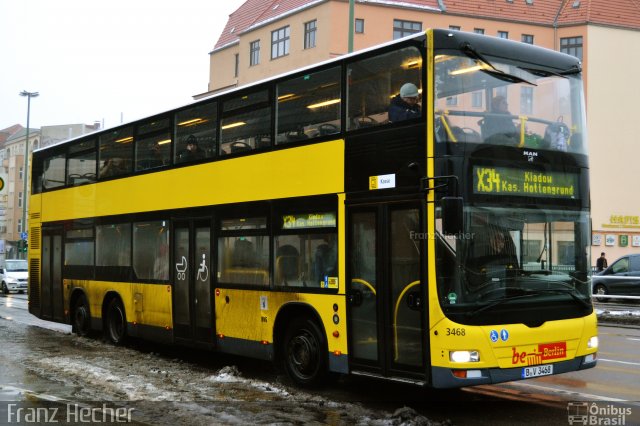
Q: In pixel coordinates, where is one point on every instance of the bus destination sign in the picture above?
(522, 182)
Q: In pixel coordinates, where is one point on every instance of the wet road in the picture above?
(41, 361)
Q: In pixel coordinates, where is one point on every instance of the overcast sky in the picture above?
(95, 60)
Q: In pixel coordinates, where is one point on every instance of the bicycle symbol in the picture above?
(181, 268)
(204, 270)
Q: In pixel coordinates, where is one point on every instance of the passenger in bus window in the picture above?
(498, 124)
(406, 104)
(152, 157)
(192, 151)
(326, 260)
(113, 167)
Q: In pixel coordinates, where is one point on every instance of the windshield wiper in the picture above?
(499, 302)
(528, 293)
(570, 291)
(468, 50)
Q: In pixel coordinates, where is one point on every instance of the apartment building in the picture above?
(264, 38)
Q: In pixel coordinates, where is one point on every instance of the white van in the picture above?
(13, 276)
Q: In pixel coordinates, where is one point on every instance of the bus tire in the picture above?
(116, 325)
(305, 353)
(81, 317)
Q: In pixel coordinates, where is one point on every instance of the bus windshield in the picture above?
(480, 100)
(533, 255)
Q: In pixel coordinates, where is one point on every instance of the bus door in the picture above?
(386, 295)
(51, 296)
(192, 296)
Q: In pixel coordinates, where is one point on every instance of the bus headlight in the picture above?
(593, 343)
(464, 356)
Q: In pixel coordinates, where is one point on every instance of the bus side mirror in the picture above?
(452, 216)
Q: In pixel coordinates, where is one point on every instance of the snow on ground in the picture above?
(171, 391)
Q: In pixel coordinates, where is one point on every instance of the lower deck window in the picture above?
(151, 250)
(306, 260)
(244, 260)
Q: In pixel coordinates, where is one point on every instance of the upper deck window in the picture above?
(246, 124)
(53, 175)
(81, 163)
(153, 146)
(195, 133)
(308, 106)
(116, 152)
(525, 107)
(375, 82)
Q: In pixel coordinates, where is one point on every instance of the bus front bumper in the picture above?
(444, 377)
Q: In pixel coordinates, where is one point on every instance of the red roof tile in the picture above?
(622, 13)
(618, 13)
(541, 12)
(255, 12)
(9, 131)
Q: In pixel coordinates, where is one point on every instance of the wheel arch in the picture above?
(284, 317)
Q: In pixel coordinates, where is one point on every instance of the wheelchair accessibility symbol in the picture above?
(181, 268)
(203, 271)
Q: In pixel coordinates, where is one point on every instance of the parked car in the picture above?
(13, 276)
(621, 278)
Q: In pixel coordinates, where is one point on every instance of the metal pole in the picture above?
(351, 23)
(25, 172)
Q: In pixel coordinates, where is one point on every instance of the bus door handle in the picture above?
(414, 301)
(355, 297)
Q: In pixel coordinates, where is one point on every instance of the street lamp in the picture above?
(25, 173)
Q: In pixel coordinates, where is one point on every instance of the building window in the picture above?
(359, 26)
(526, 100)
(476, 99)
(452, 100)
(280, 42)
(572, 46)
(236, 69)
(404, 28)
(478, 30)
(503, 34)
(310, 34)
(254, 53)
(19, 199)
(454, 27)
(19, 225)
(20, 172)
(527, 38)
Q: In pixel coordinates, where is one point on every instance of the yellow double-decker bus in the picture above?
(418, 211)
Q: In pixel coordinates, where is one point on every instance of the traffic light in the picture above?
(22, 246)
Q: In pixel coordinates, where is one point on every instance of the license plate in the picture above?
(537, 371)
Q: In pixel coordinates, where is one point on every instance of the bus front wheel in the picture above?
(305, 353)
(116, 322)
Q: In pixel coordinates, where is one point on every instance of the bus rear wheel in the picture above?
(116, 322)
(305, 353)
(81, 318)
